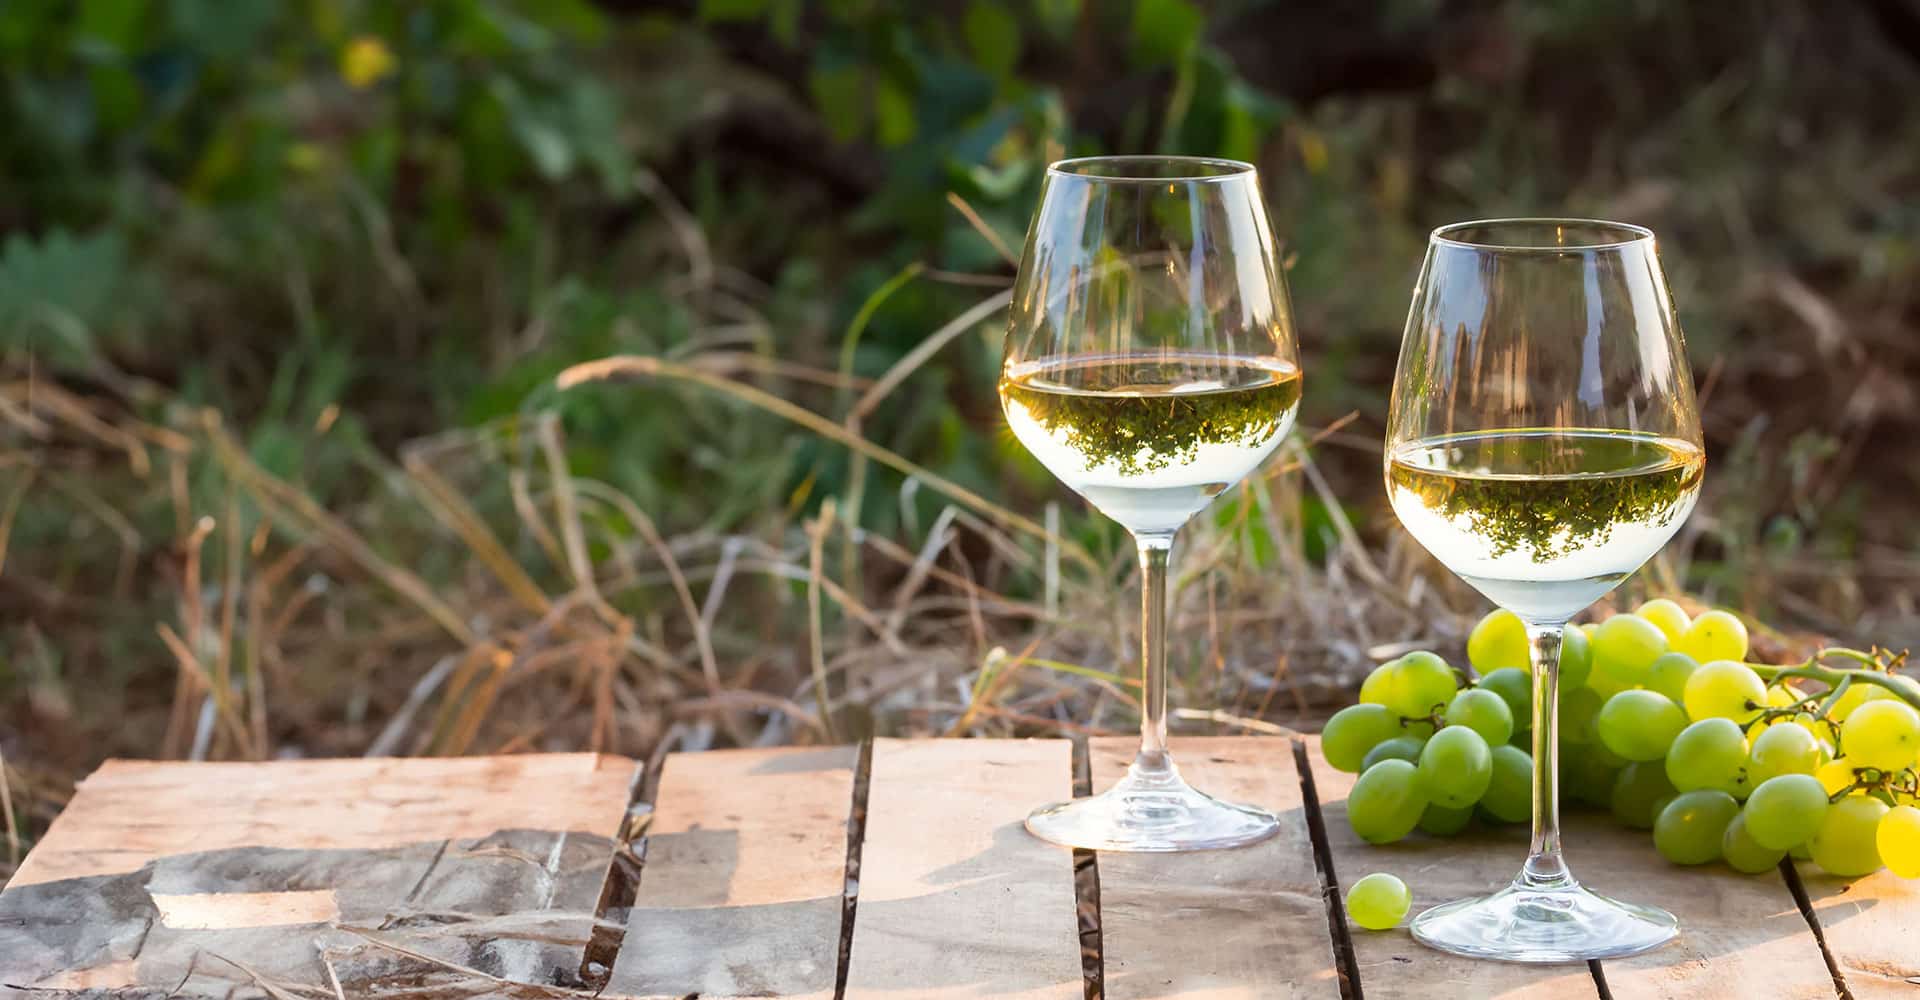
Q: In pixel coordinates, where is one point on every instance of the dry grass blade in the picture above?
(816, 637)
(703, 640)
(986, 232)
(6, 811)
(115, 521)
(926, 349)
(639, 365)
(297, 512)
(274, 988)
(736, 700)
(189, 665)
(572, 538)
(443, 500)
(12, 508)
(508, 985)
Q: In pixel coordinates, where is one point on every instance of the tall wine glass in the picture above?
(1150, 365)
(1543, 443)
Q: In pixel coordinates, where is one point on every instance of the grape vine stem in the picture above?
(1876, 667)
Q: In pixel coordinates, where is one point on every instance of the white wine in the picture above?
(1151, 439)
(1544, 520)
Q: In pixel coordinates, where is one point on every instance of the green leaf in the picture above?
(840, 93)
(1058, 17)
(993, 36)
(1164, 31)
(893, 110)
(115, 23)
(731, 10)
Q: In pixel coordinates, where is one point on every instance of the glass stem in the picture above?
(1545, 869)
(1153, 760)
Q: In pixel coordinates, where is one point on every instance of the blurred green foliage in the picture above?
(351, 225)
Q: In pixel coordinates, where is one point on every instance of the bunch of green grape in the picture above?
(1663, 724)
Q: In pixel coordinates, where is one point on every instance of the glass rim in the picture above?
(1630, 235)
(1226, 169)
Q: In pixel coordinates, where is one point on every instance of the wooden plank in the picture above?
(129, 811)
(1740, 935)
(1391, 963)
(1221, 925)
(489, 863)
(745, 871)
(1869, 926)
(956, 898)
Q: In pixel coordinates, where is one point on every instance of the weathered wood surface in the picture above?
(956, 899)
(1872, 929)
(1242, 923)
(1391, 963)
(260, 880)
(745, 871)
(204, 877)
(1740, 935)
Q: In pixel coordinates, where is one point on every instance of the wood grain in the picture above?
(746, 867)
(1870, 926)
(129, 812)
(1740, 935)
(486, 863)
(1391, 963)
(956, 898)
(1220, 925)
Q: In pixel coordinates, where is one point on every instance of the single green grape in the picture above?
(1455, 767)
(1689, 830)
(1709, 754)
(1743, 853)
(1498, 642)
(1484, 712)
(1847, 842)
(1606, 685)
(1882, 734)
(1668, 675)
(1380, 680)
(1724, 689)
(1576, 658)
(1579, 715)
(1786, 811)
(1379, 902)
(1405, 748)
(1386, 802)
(1509, 795)
(1835, 775)
(1670, 618)
(1353, 731)
(1625, 646)
(1441, 821)
(1779, 750)
(1514, 685)
(1639, 725)
(1898, 840)
(1422, 685)
(1715, 635)
(1639, 792)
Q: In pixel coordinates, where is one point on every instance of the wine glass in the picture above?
(1543, 443)
(1150, 365)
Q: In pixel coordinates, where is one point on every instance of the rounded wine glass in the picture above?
(1150, 365)
(1543, 443)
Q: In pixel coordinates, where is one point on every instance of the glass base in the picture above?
(1152, 809)
(1529, 923)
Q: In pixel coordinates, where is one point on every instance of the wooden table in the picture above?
(897, 869)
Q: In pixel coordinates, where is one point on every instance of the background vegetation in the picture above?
(284, 287)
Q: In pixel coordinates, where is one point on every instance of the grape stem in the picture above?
(1871, 779)
(1876, 667)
